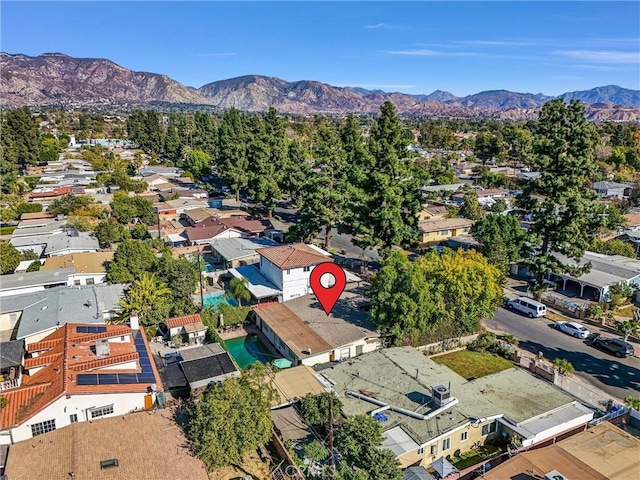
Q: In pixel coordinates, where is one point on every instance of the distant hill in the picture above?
(57, 79)
(610, 94)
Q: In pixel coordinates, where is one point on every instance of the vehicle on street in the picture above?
(572, 328)
(615, 346)
(528, 306)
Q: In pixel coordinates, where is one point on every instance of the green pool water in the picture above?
(247, 350)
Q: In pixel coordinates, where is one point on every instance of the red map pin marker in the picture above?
(328, 296)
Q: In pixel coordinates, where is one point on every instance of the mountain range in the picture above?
(57, 79)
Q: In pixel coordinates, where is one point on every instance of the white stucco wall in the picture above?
(271, 272)
(61, 410)
(97, 278)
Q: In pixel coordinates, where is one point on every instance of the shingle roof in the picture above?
(299, 337)
(292, 256)
(235, 248)
(184, 320)
(444, 224)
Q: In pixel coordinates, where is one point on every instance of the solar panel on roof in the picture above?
(87, 329)
(87, 379)
(107, 379)
(127, 378)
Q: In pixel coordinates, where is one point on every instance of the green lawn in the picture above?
(475, 456)
(471, 365)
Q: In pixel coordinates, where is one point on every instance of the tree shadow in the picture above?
(609, 372)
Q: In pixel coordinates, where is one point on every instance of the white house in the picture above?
(80, 373)
(189, 327)
(289, 267)
(90, 267)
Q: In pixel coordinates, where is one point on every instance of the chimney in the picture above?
(133, 320)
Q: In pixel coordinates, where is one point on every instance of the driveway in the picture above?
(618, 377)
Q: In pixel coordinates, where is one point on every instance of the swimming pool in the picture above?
(216, 298)
(248, 350)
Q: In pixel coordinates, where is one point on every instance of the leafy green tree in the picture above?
(487, 146)
(561, 200)
(613, 247)
(315, 451)
(29, 255)
(180, 274)
(126, 209)
(149, 298)
(198, 163)
(139, 231)
(131, 260)
(499, 206)
(457, 288)
(501, 239)
(232, 419)
(109, 231)
(69, 203)
(9, 258)
(20, 137)
(239, 290)
(629, 327)
(314, 409)
(519, 142)
(34, 266)
(359, 439)
(470, 207)
(633, 402)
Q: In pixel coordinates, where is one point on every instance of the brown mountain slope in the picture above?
(55, 78)
(58, 78)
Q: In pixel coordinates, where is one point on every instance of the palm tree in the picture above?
(144, 295)
(239, 290)
(563, 366)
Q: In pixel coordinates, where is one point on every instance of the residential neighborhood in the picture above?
(171, 295)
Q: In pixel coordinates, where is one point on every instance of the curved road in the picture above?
(618, 377)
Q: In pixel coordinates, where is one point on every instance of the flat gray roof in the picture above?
(257, 284)
(235, 248)
(605, 269)
(201, 351)
(451, 187)
(54, 307)
(57, 242)
(348, 321)
(11, 353)
(403, 377)
(34, 279)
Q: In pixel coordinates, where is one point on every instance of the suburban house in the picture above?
(236, 252)
(432, 412)
(304, 334)
(188, 327)
(80, 373)
(584, 455)
(613, 189)
(52, 244)
(448, 188)
(432, 212)
(33, 316)
(606, 270)
(289, 267)
(161, 171)
(39, 226)
(441, 229)
(196, 368)
(117, 447)
(197, 215)
(207, 231)
(90, 267)
(283, 271)
(179, 206)
(29, 282)
(486, 196)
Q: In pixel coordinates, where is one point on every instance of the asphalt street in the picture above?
(619, 377)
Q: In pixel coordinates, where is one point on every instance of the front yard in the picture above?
(472, 365)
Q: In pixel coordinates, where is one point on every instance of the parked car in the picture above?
(572, 328)
(528, 306)
(615, 346)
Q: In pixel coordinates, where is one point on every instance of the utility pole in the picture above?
(332, 460)
(200, 279)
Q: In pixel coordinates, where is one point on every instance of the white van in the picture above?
(528, 306)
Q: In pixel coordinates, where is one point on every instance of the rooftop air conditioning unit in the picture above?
(554, 475)
(441, 395)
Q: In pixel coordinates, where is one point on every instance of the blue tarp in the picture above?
(381, 417)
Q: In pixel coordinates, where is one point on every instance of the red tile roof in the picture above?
(65, 354)
(293, 256)
(182, 321)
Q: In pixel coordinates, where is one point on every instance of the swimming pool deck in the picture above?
(249, 330)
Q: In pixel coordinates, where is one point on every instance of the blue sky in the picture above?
(412, 47)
